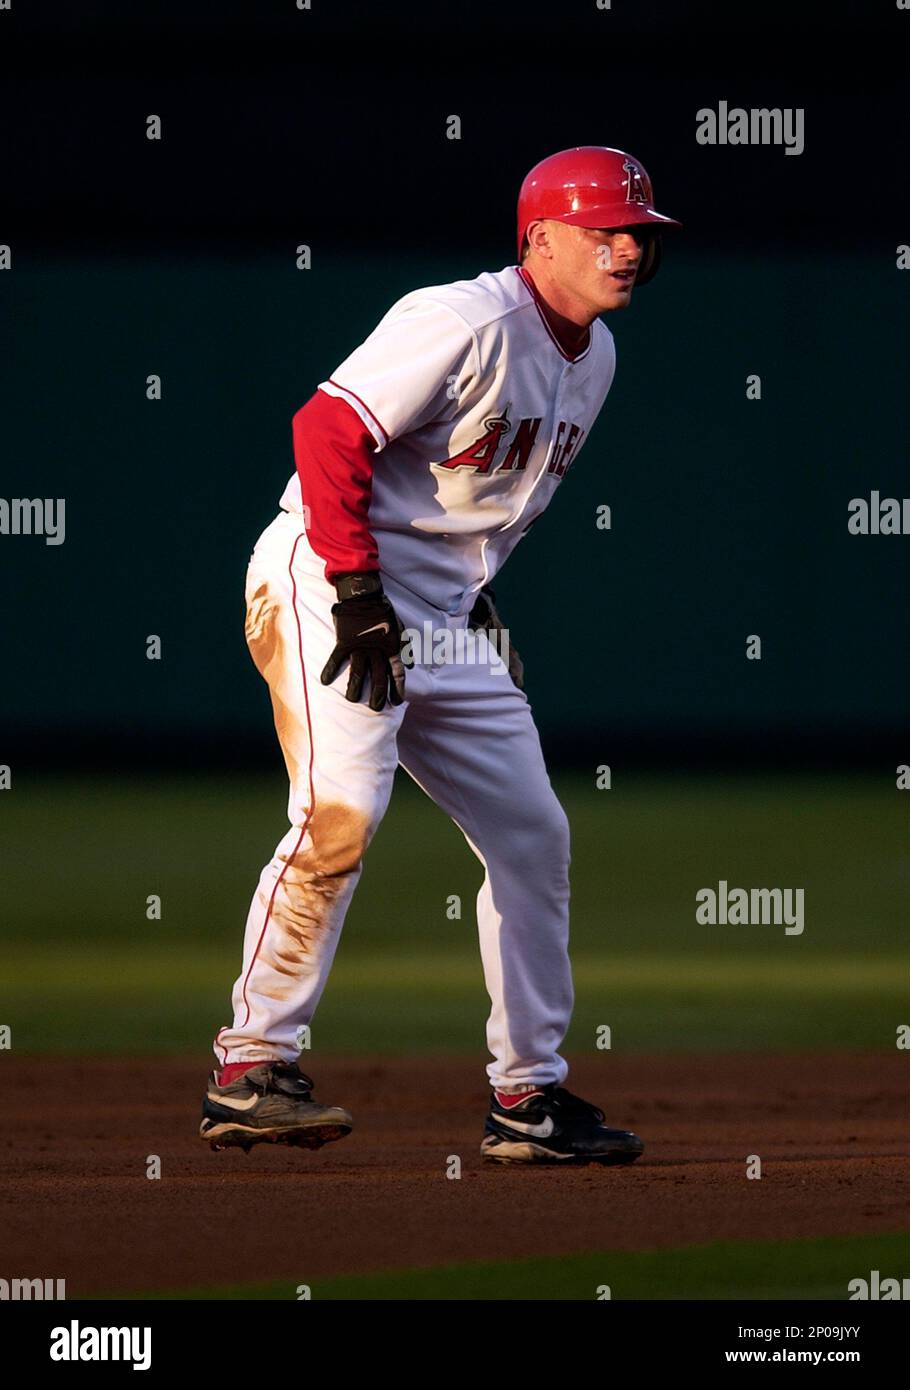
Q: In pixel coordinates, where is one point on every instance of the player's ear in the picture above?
(539, 238)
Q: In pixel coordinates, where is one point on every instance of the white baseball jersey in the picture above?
(477, 413)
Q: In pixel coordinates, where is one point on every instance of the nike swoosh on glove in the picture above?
(368, 634)
(484, 618)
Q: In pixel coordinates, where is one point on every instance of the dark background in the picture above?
(328, 127)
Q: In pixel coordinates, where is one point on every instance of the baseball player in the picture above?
(420, 464)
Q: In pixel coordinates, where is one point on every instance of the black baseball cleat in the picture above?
(269, 1104)
(550, 1125)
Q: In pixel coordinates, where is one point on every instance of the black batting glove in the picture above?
(368, 634)
(484, 618)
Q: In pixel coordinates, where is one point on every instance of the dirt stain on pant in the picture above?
(261, 626)
(311, 882)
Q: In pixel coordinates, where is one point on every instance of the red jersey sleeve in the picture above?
(334, 453)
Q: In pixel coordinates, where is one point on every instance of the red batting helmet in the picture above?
(593, 186)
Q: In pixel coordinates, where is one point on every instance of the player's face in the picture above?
(598, 264)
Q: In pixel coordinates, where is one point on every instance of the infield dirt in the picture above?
(832, 1132)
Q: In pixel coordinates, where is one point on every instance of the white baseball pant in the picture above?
(466, 736)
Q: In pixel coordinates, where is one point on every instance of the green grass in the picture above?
(83, 969)
(792, 1269)
(145, 1000)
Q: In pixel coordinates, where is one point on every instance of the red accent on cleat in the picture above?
(507, 1098)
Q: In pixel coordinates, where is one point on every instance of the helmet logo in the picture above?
(637, 192)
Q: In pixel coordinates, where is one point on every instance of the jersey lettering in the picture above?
(481, 453)
(522, 444)
(562, 454)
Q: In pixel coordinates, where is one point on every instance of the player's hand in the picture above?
(484, 617)
(368, 634)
